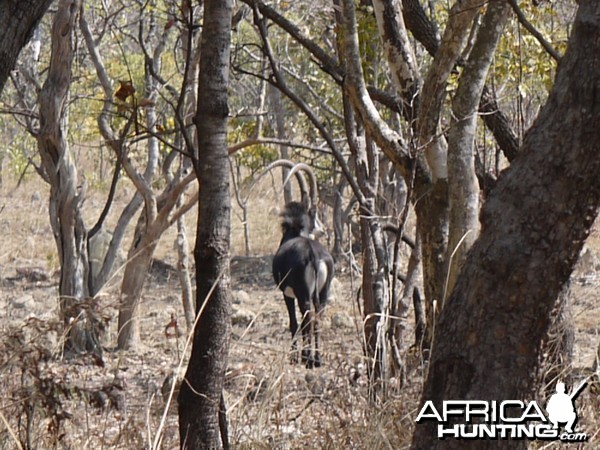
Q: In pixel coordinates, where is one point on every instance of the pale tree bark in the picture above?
(488, 339)
(433, 93)
(183, 269)
(424, 30)
(66, 196)
(391, 143)
(18, 20)
(399, 53)
(431, 189)
(414, 273)
(431, 204)
(200, 397)
(463, 186)
(432, 208)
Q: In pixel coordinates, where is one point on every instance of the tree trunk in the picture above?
(183, 271)
(463, 187)
(399, 53)
(338, 220)
(18, 20)
(66, 197)
(431, 186)
(200, 402)
(136, 269)
(559, 343)
(159, 214)
(148, 229)
(191, 50)
(488, 338)
(432, 226)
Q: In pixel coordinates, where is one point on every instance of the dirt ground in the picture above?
(48, 402)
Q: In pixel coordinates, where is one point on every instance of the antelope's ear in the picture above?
(318, 230)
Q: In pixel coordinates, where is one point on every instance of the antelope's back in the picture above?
(302, 262)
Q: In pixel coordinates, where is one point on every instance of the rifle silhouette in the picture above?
(573, 395)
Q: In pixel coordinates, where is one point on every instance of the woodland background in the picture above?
(413, 115)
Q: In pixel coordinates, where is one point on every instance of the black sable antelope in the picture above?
(302, 267)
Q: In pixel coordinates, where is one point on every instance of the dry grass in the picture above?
(272, 403)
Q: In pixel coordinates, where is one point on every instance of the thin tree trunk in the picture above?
(463, 186)
(200, 397)
(191, 49)
(431, 186)
(488, 339)
(183, 269)
(159, 214)
(66, 197)
(338, 220)
(432, 226)
(147, 232)
(136, 269)
(411, 292)
(433, 93)
(374, 283)
(146, 238)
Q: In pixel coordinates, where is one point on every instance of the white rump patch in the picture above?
(321, 275)
(315, 282)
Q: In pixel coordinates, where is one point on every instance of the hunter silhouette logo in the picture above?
(561, 408)
(507, 419)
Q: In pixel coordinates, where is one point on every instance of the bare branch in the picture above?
(387, 139)
(534, 32)
(280, 83)
(268, 140)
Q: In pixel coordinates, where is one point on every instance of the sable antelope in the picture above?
(302, 267)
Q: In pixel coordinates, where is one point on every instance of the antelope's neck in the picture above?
(291, 234)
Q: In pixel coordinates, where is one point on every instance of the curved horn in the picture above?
(299, 176)
(310, 204)
(283, 163)
(313, 181)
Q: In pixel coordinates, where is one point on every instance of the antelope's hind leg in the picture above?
(307, 332)
(290, 303)
(317, 333)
